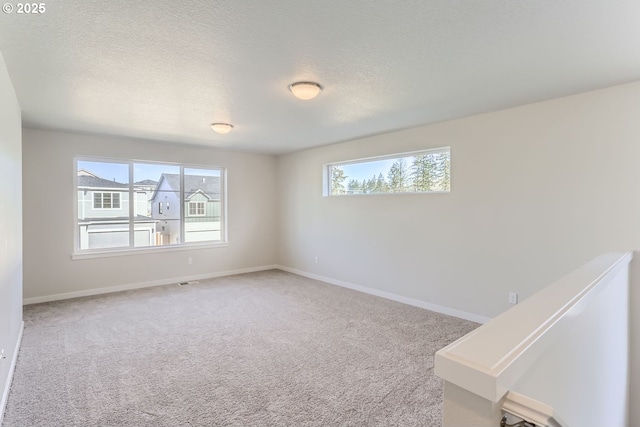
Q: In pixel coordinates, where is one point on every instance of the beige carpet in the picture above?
(259, 349)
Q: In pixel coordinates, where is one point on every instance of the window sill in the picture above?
(145, 250)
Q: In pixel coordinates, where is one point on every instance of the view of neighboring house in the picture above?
(202, 206)
(144, 192)
(103, 212)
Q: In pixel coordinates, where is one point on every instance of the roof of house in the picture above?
(209, 185)
(93, 181)
(149, 182)
(84, 172)
(136, 218)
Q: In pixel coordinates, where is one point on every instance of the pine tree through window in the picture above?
(426, 171)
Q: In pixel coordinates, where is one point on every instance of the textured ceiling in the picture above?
(165, 70)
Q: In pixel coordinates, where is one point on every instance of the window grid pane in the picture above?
(203, 190)
(115, 212)
(97, 200)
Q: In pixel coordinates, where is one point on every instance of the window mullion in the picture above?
(182, 213)
(131, 208)
(103, 186)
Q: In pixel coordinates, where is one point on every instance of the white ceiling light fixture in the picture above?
(221, 128)
(305, 90)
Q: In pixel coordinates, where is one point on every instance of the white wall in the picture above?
(536, 192)
(49, 215)
(10, 229)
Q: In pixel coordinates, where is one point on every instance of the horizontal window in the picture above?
(132, 204)
(426, 171)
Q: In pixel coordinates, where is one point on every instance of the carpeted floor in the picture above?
(259, 349)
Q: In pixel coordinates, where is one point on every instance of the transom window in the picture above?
(427, 171)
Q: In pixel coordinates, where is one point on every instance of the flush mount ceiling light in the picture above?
(221, 127)
(305, 90)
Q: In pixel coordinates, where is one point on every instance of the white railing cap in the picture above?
(490, 359)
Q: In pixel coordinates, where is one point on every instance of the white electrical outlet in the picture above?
(513, 297)
(316, 260)
(190, 260)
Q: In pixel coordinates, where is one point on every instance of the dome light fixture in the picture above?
(221, 128)
(305, 90)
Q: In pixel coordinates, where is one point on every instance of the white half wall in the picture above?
(48, 164)
(562, 354)
(10, 232)
(634, 343)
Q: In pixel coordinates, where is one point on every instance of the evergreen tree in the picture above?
(445, 182)
(431, 172)
(337, 180)
(354, 187)
(399, 176)
(370, 186)
(424, 171)
(381, 184)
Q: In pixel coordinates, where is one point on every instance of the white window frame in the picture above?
(327, 172)
(78, 253)
(102, 193)
(197, 204)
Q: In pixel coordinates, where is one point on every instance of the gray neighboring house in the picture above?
(103, 213)
(144, 191)
(202, 205)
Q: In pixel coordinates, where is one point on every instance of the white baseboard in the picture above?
(383, 294)
(140, 285)
(12, 367)
(394, 297)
